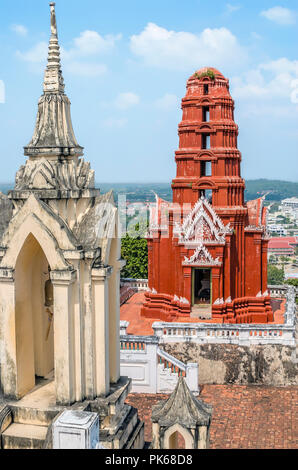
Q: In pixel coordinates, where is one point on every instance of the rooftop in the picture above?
(282, 242)
(244, 417)
(130, 311)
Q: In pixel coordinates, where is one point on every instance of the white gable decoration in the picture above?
(201, 257)
(202, 225)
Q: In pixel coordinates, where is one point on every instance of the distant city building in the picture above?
(291, 275)
(282, 246)
(278, 228)
(290, 203)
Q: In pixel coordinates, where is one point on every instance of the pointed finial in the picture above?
(53, 134)
(53, 19)
(53, 81)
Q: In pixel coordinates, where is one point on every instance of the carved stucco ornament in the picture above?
(46, 174)
(201, 226)
(201, 257)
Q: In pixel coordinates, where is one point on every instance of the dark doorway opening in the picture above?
(201, 287)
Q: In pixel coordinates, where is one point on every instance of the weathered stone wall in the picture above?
(274, 365)
(6, 209)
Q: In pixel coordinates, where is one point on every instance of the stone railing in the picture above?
(242, 334)
(279, 291)
(170, 368)
(126, 293)
(137, 284)
(151, 369)
(171, 362)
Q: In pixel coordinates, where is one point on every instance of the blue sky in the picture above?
(125, 65)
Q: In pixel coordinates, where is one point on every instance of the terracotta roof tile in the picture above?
(244, 417)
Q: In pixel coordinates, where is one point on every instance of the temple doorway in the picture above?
(34, 318)
(201, 292)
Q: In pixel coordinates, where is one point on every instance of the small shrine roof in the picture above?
(182, 407)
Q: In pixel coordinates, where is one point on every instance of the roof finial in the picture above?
(53, 134)
(53, 19)
(53, 81)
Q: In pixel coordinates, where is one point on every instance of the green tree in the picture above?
(276, 276)
(135, 252)
(292, 282)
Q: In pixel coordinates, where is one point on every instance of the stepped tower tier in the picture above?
(208, 249)
(208, 161)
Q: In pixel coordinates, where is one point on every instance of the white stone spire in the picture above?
(53, 134)
(53, 79)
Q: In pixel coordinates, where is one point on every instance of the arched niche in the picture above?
(204, 183)
(33, 226)
(34, 329)
(171, 437)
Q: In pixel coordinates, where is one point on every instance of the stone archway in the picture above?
(174, 435)
(33, 318)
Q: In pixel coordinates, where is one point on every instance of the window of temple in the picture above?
(206, 168)
(207, 193)
(206, 89)
(205, 141)
(206, 114)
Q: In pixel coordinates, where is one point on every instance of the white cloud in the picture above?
(2, 92)
(167, 102)
(182, 50)
(280, 15)
(88, 44)
(36, 54)
(126, 100)
(269, 80)
(19, 29)
(115, 122)
(267, 88)
(91, 43)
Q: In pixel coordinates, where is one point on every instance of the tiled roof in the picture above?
(244, 417)
(282, 242)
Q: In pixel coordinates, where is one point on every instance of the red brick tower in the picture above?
(208, 249)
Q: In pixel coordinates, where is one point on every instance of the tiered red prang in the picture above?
(210, 260)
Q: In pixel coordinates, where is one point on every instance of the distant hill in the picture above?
(140, 192)
(278, 189)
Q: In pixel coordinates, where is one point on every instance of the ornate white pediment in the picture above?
(202, 225)
(201, 257)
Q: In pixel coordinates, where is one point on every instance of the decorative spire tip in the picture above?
(53, 19)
